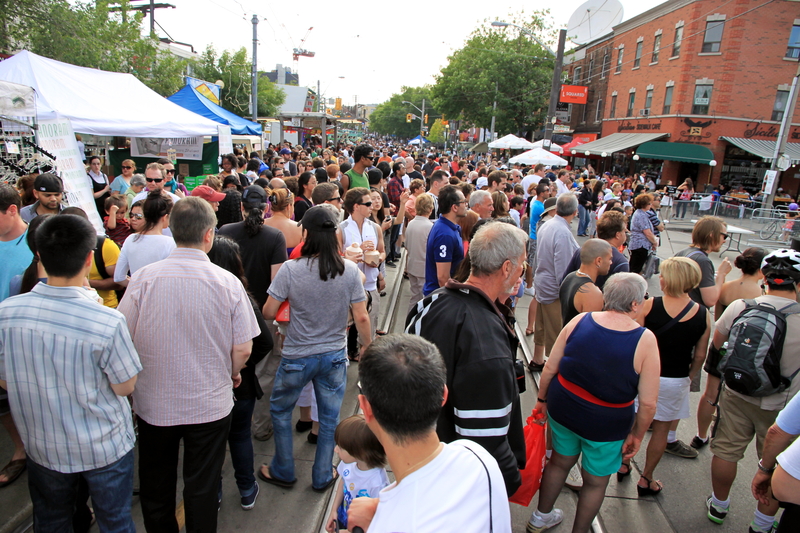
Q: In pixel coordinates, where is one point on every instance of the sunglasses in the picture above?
(724, 236)
(137, 216)
(127, 168)
(170, 170)
(367, 204)
(336, 199)
(157, 180)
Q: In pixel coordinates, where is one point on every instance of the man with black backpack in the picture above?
(760, 340)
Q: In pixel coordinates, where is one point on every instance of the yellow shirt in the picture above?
(110, 257)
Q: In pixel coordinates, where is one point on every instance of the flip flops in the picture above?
(275, 481)
(328, 484)
(13, 470)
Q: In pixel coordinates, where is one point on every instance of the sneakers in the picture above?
(574, 479)
(537, 525)
(680, 449)
(530, 291)
(250, 501)
(756, 529)
(716, 514)
(698, 443)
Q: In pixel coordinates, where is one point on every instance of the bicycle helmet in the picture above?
(793, 206)
(781, 267)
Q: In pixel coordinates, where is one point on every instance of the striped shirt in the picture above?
(60, 351)
(185, 314)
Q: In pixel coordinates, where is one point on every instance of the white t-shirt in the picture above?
(357, 483)
(451, 493)
(527, 181)
(141, 250)
(561, 187)
(143, 196)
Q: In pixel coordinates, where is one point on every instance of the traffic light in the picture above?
(426, 118)
(408, 117)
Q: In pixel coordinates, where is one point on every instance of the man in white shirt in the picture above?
(403, 418)
(563, 183)
(156, 176)
(527, 181)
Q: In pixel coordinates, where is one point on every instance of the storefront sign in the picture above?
(156, 147)
(56, 136)
(639, 126)
(574, 94)
(769, 181)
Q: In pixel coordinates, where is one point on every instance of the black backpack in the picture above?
(752, 363)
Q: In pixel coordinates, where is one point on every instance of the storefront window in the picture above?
(793, 50)
(613, 111)
(638, 57)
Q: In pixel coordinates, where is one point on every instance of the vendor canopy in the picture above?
(511, 142)
(190, 99)
(101, 103)
(539, 155)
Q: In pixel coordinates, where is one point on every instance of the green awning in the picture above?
(684, 152)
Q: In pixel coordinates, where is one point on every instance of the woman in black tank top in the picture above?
(682, 328)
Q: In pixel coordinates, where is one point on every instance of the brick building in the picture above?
(689, 82)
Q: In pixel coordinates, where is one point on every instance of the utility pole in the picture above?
(152, 18)
(494, 109)
(254, 81)
(555, 90)
(422, 120)
(783, 134)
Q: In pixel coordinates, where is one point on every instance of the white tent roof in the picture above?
(99, 102)
(538, 155)
(553, 146)
(511, 142)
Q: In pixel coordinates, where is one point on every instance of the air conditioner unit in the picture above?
(644, 112)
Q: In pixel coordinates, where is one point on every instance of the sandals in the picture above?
(528, 332)
(275, 481)
(328, 484)
(13, 470)
(622, 475)
(647, 491)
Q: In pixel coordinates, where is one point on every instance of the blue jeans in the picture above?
(54, 496)
(328, 371)
(680, 208)
(241, 445)
(583, 219)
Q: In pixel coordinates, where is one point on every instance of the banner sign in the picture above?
(225, 140)
(56, 136)
(156, 147)
(574, 94)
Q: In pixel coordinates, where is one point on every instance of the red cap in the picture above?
(207, 193)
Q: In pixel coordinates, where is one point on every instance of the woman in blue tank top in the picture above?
(599, 364)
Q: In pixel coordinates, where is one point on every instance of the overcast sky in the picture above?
(377, 51)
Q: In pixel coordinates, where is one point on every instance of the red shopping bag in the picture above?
(282, 317)
(534, 465)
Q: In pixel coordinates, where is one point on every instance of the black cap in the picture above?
(48, 182)
(319, 218)
(254, 195)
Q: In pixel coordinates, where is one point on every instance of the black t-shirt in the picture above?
(414, 175)
(259, 253)
(301, 205)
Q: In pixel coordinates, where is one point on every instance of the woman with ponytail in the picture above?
(150, 244)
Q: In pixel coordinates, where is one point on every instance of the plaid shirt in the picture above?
(394, 189)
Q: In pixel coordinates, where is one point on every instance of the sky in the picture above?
(364, 54)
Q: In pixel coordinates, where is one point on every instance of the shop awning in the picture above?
(617, 142)
(684, 152)
(764, 149)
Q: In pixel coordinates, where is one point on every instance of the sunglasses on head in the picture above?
(157, 180)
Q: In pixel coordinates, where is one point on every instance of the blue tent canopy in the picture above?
(419, 139)
(190, 99)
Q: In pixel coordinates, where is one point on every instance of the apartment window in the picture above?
(619, 61)
(676, 43)
(638, 57)
(590, 74)
(576, 76)
(613, 111)
(713, 36)
(780, 105)
(702, 99)
(648, 99)
(606, 64)
(631, 102)
(793, 50)
(598, 116)
(656, 47)
(583, 114)
(668, 100)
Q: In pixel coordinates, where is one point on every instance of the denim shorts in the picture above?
(599, 458)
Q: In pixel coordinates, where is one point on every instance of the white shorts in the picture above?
(673, 399)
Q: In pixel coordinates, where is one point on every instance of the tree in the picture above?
(389, 118)
(436, 135)
(233, 68)
(501, 65)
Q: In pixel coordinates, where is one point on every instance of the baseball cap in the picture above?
(254, 195)
(207, 193)
(482, 182)
(48, 182)
(319, 218)
(285, 151)
(550, 204)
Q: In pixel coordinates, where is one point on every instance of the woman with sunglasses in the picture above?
(122, 183)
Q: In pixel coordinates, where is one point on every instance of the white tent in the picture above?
(511, 142)
(553, 146)
(99, 102)
(538, 155)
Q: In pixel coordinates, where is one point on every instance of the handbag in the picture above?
(535, 459)
(283, 313)
(651, 265)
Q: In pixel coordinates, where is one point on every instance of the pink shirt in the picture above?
(185, 314)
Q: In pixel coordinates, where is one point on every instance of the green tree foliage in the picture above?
(436, 134)
(389, 118)
(233, 68)
(501, 64)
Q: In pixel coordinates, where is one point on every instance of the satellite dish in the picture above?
(593, 19)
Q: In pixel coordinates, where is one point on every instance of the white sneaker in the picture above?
(530, 291)
(537, 525)
(574, 479)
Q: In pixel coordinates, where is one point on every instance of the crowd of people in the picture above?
(195, 318)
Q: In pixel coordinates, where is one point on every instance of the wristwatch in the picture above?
(764, 468)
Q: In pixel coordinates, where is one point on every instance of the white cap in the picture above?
(482, 182)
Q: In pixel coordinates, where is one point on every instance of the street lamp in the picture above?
(555, 88)
(421, 114)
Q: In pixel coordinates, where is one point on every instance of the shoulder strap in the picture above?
(675, 320)
(99, 260)
(489, 477)
(695, 253)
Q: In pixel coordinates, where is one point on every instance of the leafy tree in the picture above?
(436, 134)
(389, 118)
(502, 65)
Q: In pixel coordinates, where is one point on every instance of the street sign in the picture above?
(574, 94)
(562, 128)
